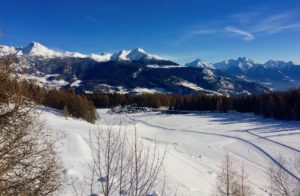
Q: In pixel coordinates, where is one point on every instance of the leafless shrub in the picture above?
(123, 166)
(281, 183)
(231, 182)
(242, 187)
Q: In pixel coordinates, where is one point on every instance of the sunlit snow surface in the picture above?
(196, 145)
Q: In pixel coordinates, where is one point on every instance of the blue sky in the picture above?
(182, 30)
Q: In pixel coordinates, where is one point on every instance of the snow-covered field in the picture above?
(196, 145)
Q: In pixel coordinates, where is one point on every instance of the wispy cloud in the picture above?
(247, 36)
(248, 26)
(276, 23)
(92, 19)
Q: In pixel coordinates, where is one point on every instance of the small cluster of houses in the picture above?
(133, 109)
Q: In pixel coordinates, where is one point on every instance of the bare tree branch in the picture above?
(124, 166)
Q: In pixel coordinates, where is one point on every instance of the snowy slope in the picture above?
(196, 145)
(104, 57)
(7, 50)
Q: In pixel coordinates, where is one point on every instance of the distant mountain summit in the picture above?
(278, 64)
(240, 64)
(276, 75)
(200, 64)
(244, 63)
(37, 49)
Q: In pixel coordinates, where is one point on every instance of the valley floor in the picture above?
(196, 145)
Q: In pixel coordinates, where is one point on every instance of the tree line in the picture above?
(72, 104)
(278, 105)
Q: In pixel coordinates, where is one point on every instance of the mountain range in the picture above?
(136, 71)
(276, 75)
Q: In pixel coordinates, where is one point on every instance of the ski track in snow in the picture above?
(275, 142)
(283, 134)
(261, 150)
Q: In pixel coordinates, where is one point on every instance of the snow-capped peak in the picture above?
(244, 59)
(37, 49)
(134, 55)
(200, 64)
(277, 64)
(120, 56)
(139, 50)
(243, 63)
(137, 54)
(34, 46)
